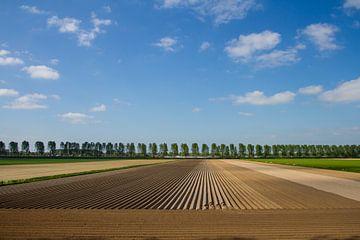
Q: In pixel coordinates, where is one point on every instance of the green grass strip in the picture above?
(332, 164)
(36, 179)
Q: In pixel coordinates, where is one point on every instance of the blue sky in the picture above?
(225, 71)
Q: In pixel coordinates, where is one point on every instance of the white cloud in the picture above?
(352, 4)
(204, 46)
(28, 102)
(86, 37)
(121, 102)
(346, 92)
(167, 43)
(32, 9)
(244, 47)
(322, 35)
(98, 108)
(246, 114)
(5, 92)
(4, 52)
(70, 25)
(196, 109)
(222, 11)
(54, 61)
(55, 97)
(278, 58)
(258, 98)
(310, 90)
(107, 9)
(75, 118)
(42, 71)
(10, 61)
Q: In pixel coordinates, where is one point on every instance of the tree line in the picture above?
(154, 150)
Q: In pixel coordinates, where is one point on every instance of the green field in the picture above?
(333, 164)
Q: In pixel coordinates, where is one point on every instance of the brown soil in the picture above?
(238, 203)
(12, 172)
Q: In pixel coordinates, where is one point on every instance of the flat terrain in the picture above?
(203, 199)
(346, 164)
(39, 160)
(12, 172)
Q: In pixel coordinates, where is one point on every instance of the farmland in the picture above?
(350, 165)
(210, 198)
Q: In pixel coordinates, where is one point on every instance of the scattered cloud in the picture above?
(5, 92)
(278, 58)
(65, 25)
(4, 52)
(244, 47)
(10, 61)
(98, 108)
(246, 114)
(258, 98)
(168, 44)
(54, 61)
(28, 102)
(2, 81)
(72, 25)
(204, 46)
(32, 9)
(354, 4)
(258, 49)
(121, 102)
(55, 97)
(311, 90)
(107, 9)
(75, 118)
(222, 11)
(346, 92)
(5, 60)
(196, 109)
(322, 35)
(42, 71)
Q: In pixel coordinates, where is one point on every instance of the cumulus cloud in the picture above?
(5, 92)
(246, 114)
(322, 35)
(278, 58)
(310, 90)
(4, 52)
(5, 60)
(204, 46)
(98, 108)
(69, 25)
(352, 4)
(42, 71)
(222, 11)
(75, 118)
(344, 93)
(85, 38)
(245, 46)
(72, 25)
(167, 44)
(32, 9)
(10, 61)
(259, 98)
(28, 102)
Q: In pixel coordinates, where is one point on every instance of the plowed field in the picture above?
(133, 203)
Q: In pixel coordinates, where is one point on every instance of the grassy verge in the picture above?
(36, 179)
(333, 164)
